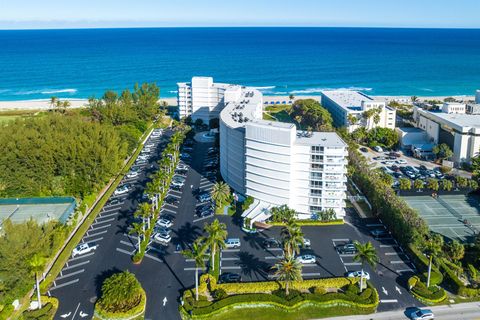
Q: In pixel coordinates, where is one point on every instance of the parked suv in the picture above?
(232, 243)
(348, 248)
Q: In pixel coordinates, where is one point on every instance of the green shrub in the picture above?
(137, 257)
(366, 294)
(431, 295)
(421, 262)
(352, 289)
(44, 313)
(292, 294)
(472, 271)
(6, 312)
(319, 290)
(219, 294)
(452, 281)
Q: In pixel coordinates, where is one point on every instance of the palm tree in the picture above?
(36, 264)
(53, 101)
(432, 248)
(288, 270)
(216, 235)
(197, 253)
(145, 212)
(366, 253)
(220, 193)
(352, 119)
(138, 228)
(292, 238)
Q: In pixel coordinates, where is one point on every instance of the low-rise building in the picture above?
(350, 109)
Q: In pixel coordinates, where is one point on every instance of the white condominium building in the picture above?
(348, 110)
(203, 99)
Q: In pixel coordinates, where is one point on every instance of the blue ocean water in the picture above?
(36, 64)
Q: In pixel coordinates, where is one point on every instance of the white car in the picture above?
(178, 181)
(146, 150)
(355, 274)
(378, 149)
(121, 190)
(182, 166)
(84, 248)
(306, 242)
(143, 157)
(306, 259)
(150, 145)
(389, 163)
(164, 223)
(161, 237)
(140, 161)
(132, 174)
(401, 161)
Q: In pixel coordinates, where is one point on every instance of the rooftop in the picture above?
(237, 113)
(330, 139)
(462, 122)
(347, 99)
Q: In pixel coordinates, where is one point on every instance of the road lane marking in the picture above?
(388, 301)
(352, 263)
(73, 317)
(397, 261)
(340, 240)
(64, 284)
(75, 265)
(70, 274)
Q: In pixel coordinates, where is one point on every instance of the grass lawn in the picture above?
(278, 107)
(7, 118)
(278, 113)
(270, 313)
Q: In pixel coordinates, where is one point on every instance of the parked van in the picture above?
(232, 243)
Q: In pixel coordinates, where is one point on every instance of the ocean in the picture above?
(37, 64)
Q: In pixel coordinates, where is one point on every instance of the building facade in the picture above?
(350, 108)
(477, 97)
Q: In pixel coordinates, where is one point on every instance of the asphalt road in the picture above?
(164, 272)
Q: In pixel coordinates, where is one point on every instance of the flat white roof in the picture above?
(237, 113)
(348, 99)
(327, 139)
(461, 122)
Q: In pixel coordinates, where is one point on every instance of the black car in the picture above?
(113, 202)
(175, 187)
(422, 167)
(348, 248)
(205, 213)
(171, 200)
(228, 277)
(363, 149)
(271, 243)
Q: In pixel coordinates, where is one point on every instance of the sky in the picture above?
(39, 14)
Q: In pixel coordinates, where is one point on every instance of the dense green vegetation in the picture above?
(383, 137)
(310, 115)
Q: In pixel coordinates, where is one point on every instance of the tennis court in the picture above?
(454, 216)
(40, 209)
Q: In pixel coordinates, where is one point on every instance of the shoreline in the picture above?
(44, 104)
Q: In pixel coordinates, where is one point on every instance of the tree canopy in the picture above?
(120, 292)
(310, 114)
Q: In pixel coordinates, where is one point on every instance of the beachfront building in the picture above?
(353, 109)
(275, 163)
(459, 130)
(477, 97)
(203, 99)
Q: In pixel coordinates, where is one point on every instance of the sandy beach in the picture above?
(79, 103)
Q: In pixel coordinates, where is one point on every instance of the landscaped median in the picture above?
(430, 296)
(268, 300)
(316, 223)
(75, 239)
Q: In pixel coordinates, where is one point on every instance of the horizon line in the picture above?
(236, 27)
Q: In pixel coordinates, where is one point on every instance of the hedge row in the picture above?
(264, 300)
(430, 296)
(455, 284)
(47, 312)
(311, 223)
(269, 286)
(421, 263)
(133, 313)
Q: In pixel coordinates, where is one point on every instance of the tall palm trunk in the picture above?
(286, 287)
(213, 257)
(196, 284)
(361, 281)
(429, 271)
(38, 291)
(139, 240)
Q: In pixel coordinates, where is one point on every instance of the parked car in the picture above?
(206, 213)
(389, 162)
(175, 187)
(204, 197)
(229, 277)
(113, 202)
(348, 248)
(378, 149)
(394, 154)
(187, 149)
(402, 161)
(363, 149)
(178, 181)
(306, 242)
(171, 200)
(412, 169)
(162, 222)
(162, 230)
(355, 274)
(185, 156)
(161, 237)
(84, 248)
(271, 243)
(306, 259)
(182, 166)
(140, 161)
(121, 190)
(422, 314)
(232, 243)
(132, 174)
(379, 233)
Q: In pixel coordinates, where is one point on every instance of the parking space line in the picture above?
(340, 240)
(101, 227)
(129, 244)
(95, 234)
(96, 240)
(70, 274)
(171, 192)
(388, 246)
(311, 274)
(352, 264)
(230, 259)
(346, 255)
(193, 260)
(125, 251)
(309, 265)
(107, 215)
(200, 219)
(178, 196)
(231, 250)
(155, 250)
(374, 225)
(170, 205)
(64, 284)
(403, 270)
(397, 262)
(153, 258)
(189, 269)
(232, 268)
(76, 265)
(273, 257)
(81, 257)
(392, 253)
(168, 210)
(103, 221)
